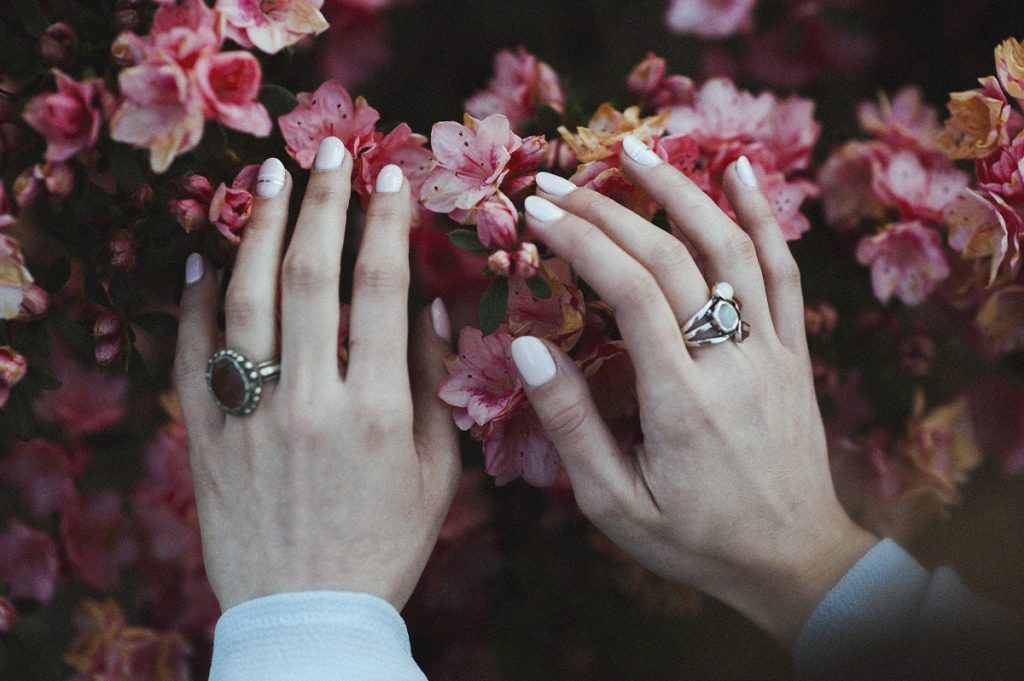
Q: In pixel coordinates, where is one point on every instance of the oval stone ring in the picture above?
(717, 321)
(236, 382)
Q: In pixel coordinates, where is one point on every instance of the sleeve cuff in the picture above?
(314, 636)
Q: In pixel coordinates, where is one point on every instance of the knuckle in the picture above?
(671, 256)
(321, 193)
(593, 504)
(305, 272)
(738, 247)
(786, 271)
(567, 421)
(381, 277)
(241, 304)
(638, 288)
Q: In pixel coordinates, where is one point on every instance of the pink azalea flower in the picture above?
(984, 225)
(473, 161)
(527, 260)
(790, 134)
(517, 446)
(230, 207)
(28, 561)
(326, 112)
(786, 198)
(401, 147)
(90, 399)
(230, 83)
(648, 83)
(500, 263)
(903, 122)
(920, 192)
(721, 113)
(711, 18)
(355, 46)
(847, 184)
(13, 367)
(522, 86)
(70, 118)
(97, 539)
(42, 472)
(109, 333)
(271, 25)
(482, 383)
(906, 260)
(497, 220)
(559, 317)
(1002, 172)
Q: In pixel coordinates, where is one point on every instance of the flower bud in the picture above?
(122, 250)
(128, 19)
(109, 335)
(27, 188)
(500, 263)
(59, 178)
(13, 368)
(497, 221)
(191, 214)
(34, 302)
(126, 50)
(58, 44)
(527, 260)
(8, 613)
(198, 187)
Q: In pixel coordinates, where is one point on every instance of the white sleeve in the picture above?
(889, 618)
(313, 636)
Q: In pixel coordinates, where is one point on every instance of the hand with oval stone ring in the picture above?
(300, 483)
(730, 491)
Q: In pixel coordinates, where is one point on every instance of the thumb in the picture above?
(602, 477)
(437, 439)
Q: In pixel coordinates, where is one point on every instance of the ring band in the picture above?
(717, 321)
(236, 382)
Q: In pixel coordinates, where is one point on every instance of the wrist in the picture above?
(780, 591)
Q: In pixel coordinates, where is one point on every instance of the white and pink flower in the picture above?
(906, 259)
(271, 25)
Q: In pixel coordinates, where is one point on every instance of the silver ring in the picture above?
(717, 321)
(236, 382)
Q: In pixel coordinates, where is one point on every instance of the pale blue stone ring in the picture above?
(717, 321)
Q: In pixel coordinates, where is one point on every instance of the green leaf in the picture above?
(56, 276)
(467, 240)
(160, 323)
(124, 163)
(78, 338)
(19, 416)
(493, 305)
(41, 379)
(539, 287)
(277, 99)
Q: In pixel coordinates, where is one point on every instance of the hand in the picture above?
(731, 490)
(336, 481)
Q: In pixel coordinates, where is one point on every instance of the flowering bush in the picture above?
(131, 139)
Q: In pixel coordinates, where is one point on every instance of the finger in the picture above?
(604, 481)
(644, 317)
(437, 439)
(780, 271)
(311, 271)
(250, 305)
(727, 251)
(662, 254)
(380, 288)
(197, 339)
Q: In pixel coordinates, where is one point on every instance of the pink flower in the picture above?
(482, 383)
(70, 118)
(721, 113)
(903, 122)
(97, 539)
(271, 25)
(28, 561)
(401, 147)
(230, 207)
(920, 192)
(517, 446)
(13, 368)
(527, 260)
(474, 160)
(711, 18)
(230, 83)
(847, 184)
(522, 86)
(109, 333)
(42, 472)
(8, 613)
(326, 112)
(984, 225)
(1002, 172)
(500, 263)
(355, 46)
(90, 399)
(497, 221)
(648, 83)
(559, 317)
(906, 260)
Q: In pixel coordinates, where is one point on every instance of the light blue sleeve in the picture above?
(890, 618)
(313, 636)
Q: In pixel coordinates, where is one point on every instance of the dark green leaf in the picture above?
(539, 287)
(124, 163)
(160, 323)
(56, 276)
(19, 416)
(123, 293)
(277, 99)
(37, 337)
(41, 379)
(78, 338)
(493, 304)
(467, 240)
(97, 294)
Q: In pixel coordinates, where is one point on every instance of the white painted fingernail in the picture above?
(534, 362)
(543, 210)
(193, 268)
(555, 185)
(270, 180)
(330, 154)
(390, 179)
(439, 318)
(746, 172)
(640, 152)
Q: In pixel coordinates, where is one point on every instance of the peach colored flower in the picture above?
(981, 121)
(70, 118)
(1001, 320)
(906, 260)
(15, 279)
(941, 445)
(271, 25)
(1010, 67)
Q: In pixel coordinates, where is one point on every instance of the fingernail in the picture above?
(555, 185)
(746, 172)
(640, 152)
(534, 362)
(543, 210)
(390, 179)
(270, 180)
(193, 268)
(330, 154)
(439, 318)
